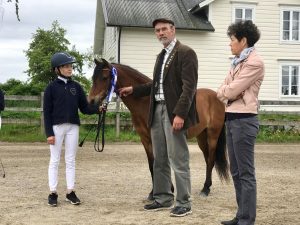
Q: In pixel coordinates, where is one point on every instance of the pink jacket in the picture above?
(240, 89)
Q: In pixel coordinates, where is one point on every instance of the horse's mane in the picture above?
(137, 75)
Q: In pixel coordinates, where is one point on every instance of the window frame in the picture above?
(289, 64)
(290, 9)
(243, 7)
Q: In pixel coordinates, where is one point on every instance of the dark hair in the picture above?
(245, 29)
(162, 20)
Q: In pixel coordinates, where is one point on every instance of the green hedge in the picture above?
(32, 133)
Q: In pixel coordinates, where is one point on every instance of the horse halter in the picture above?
(101, 117)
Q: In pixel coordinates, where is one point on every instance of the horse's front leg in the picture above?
(149, 152)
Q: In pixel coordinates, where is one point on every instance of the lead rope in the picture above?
(101, 124)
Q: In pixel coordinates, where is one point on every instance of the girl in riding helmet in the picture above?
(62, 99)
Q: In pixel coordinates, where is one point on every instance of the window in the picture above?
(244, 12)
(291, 25)
(290, 80)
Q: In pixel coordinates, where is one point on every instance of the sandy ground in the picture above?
(113, 185)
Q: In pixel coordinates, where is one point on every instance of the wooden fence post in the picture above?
(42, 113)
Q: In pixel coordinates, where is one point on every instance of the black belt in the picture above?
(163, 102)
(233, 116)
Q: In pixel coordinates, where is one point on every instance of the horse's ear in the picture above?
(101, 61)
(97, 62)
(105, 63)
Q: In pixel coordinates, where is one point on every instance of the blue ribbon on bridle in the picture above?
(101, 120)
(113, 82)
(112, 87)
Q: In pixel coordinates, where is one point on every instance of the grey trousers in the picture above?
(170, 151)
(241, 135)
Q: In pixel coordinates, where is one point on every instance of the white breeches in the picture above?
(68, 133)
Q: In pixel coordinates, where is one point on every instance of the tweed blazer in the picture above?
(179, 85)
(240, 89)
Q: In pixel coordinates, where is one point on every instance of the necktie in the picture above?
(158, 69)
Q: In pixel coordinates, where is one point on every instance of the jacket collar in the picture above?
(235, 70)
(63, 80)
(171, 58)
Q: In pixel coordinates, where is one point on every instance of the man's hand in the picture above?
(178, 123)
(51, 140)
(125, 91)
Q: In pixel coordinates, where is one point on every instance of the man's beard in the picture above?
(165, 41)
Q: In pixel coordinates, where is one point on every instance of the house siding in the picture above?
(139, 46)
(268, 19)
(110, 49)
(143, 43)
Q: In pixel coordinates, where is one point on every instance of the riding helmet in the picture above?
(61, 58)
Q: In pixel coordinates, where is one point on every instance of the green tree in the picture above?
(44, 44)
(17, 87)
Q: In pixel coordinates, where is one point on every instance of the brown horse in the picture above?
(210, 132)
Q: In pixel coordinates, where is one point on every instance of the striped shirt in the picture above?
(159, 96)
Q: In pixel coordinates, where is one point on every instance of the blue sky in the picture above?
(77, 17)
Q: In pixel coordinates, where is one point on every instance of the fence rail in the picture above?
(118, 107)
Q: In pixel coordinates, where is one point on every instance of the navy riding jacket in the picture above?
(61, 103)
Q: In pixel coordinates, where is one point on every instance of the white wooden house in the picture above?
(123, 34)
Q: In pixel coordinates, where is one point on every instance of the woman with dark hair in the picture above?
(239, 92)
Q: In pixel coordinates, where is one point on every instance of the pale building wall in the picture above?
(139, 46)
(110, 49)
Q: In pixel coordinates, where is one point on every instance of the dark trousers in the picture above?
(241, 136)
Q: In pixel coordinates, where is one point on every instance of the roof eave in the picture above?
(212, 29)
(196, 8)
(206, 2)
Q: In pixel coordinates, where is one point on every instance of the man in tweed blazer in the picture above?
(172, 110)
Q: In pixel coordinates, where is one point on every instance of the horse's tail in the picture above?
(221, 162)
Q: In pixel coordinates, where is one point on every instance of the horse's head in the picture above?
(101, 81)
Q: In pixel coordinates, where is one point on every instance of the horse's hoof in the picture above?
(204, 193)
